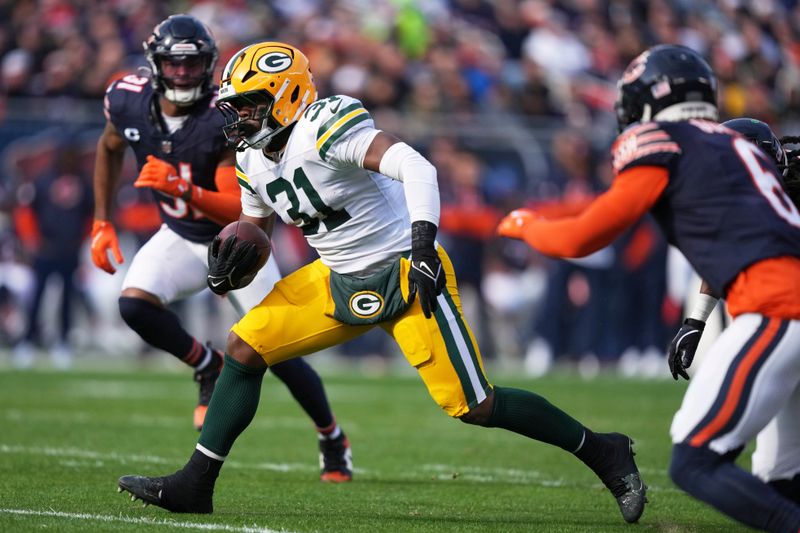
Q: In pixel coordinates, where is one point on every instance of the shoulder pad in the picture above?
(241, 175)
(120, 91)
(643, 144)
(333, 117)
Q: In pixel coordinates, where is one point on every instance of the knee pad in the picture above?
(137, 313)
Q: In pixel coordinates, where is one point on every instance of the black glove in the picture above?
(426, 276)
(231, 264)
(680, 352)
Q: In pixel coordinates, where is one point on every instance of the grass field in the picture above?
(66, 438)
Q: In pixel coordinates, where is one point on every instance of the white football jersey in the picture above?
(356, 219)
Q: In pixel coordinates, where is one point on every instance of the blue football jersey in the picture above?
(724, 206)
(194, 150)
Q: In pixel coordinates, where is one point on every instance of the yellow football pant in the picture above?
(292, 321)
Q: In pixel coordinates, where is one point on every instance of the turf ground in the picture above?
(65, 438)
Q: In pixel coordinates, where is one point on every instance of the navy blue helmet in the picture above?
(666, 82)
(182, 55)
(761, 135)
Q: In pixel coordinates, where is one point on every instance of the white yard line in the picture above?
(143, 521)
(76, 453)
(84, 417)
(438, 471)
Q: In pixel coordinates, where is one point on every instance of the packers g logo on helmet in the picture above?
(271, 79)
(274, 62)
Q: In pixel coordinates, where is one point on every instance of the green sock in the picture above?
(531, 415)
(232, 405)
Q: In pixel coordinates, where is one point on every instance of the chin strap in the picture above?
(182, 97)
(687, 110)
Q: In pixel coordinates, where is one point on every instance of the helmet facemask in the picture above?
(264, 91)
(182, 79)
(774, 148)
(248, 120)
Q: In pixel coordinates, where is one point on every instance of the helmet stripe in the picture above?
(302, 106)
(282, 89)
(228, 70)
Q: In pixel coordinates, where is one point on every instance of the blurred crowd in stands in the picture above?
(511, 100)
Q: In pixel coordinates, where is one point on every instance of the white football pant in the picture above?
(173, 268)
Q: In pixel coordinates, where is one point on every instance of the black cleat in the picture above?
(621, 476)
(335, 460)
(207, 380)
(169, 492)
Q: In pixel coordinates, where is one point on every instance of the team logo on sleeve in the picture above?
(274, 62)
(646, 142)
(366, 304)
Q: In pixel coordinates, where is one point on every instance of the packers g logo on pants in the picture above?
(366, 304)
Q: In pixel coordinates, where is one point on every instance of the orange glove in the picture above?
(513, 224)
(104, 237)
(161, 176)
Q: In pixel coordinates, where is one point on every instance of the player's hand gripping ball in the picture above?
(236, 255)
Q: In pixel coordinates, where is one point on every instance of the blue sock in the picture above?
(306, 387)
(161, 328)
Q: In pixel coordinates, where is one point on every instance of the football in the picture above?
(249, 232)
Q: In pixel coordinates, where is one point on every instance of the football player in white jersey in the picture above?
(170, 122)
(369, 204)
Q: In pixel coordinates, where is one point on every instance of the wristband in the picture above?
(699, 325)
(703, 306)
(100, 224)
(187, 196)
(423, 234)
